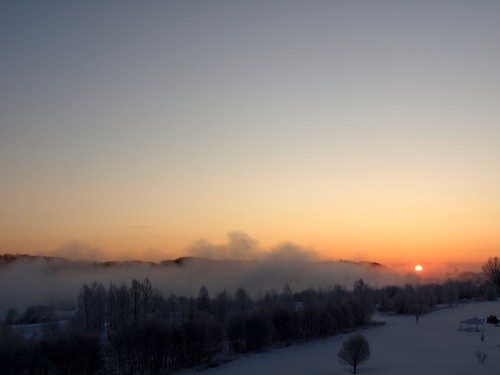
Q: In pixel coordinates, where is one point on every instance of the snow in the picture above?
(36, 329)
(434, 345)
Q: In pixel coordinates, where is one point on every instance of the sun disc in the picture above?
(418, 268)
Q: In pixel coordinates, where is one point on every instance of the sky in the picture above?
(363, 130)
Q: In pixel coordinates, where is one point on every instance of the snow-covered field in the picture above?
(435, 345)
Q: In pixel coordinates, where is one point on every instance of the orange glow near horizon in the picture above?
(150, 246)
(114, 147)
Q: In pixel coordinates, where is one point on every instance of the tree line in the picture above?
(133, 329)
(421, 299)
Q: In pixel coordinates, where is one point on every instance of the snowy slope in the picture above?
(433, 346)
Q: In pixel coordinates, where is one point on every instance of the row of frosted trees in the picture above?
(133, 329)
(421, 299)
(147, 333)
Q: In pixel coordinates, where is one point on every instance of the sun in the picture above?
(419, 268)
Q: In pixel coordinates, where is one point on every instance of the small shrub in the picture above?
(481, 357)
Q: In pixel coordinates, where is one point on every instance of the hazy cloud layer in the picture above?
(239, 246)
(40, 281)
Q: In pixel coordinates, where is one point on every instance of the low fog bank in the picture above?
(48, 280)
(237, 263)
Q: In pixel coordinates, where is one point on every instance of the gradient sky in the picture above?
(359, 129)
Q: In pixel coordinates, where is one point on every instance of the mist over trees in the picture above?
(134, 328)
(420, 299)
(41, 279)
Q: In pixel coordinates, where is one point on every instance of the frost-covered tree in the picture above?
(222, 306)
(136, 298)
(147, 293)
(203, 300)
(242, 301)
(363, 302)
(492, 271)
(450, 292)
(354, 351)
(92, 306)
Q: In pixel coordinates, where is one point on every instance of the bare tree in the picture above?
(492, 271)
(354, 351)
(450, 291)
(222, 305)
(242, 300)
(147, 292)
(111, 310)
(363, 303)
(85, 305)
(12, 316)
(258, 331)
(135, 298)
(73, 352)
(203, 300)
(287, 296)
(481, 357)
(283, 323)
(92, 306)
